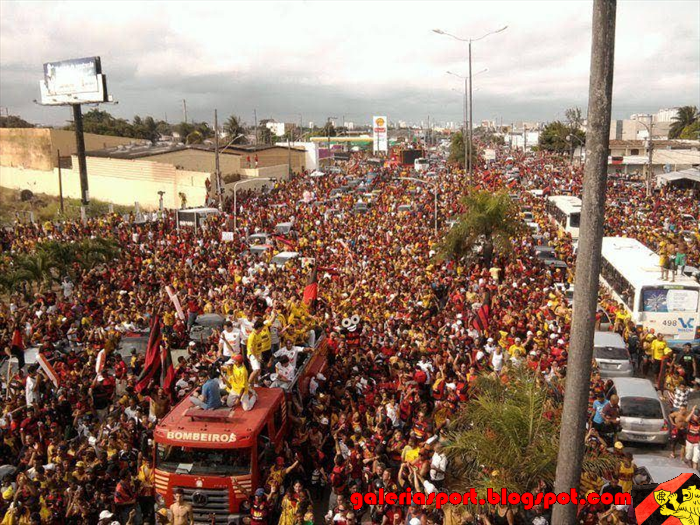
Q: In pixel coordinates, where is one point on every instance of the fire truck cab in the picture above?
(214, 455)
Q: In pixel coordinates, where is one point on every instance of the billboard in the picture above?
(379, 133)
(74, 81)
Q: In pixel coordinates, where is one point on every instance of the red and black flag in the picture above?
(311, 290)
(669, 503)
(481, 321)
(152, 366)
(284, 240)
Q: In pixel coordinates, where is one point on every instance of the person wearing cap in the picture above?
(516, 350)
(105, 517)
(259, 508)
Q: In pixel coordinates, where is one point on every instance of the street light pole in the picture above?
(235, 197)
(467, 115)
(469, 41)
(649, 179)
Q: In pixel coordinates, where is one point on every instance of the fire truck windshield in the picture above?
(188, 460)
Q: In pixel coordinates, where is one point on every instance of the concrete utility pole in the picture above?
(217, 171)
(573, 422)
(184, 110)
(80, 150)
(649, 179)
(255, 117)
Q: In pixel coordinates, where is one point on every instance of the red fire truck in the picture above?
(213, 455)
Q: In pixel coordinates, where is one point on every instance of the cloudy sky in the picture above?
(314, 59)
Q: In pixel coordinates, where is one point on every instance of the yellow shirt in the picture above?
(659, 349)
(516, 350)
(409, 455)
(237, 379)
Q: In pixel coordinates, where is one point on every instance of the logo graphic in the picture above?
(379, 122)
(675, 502)
(686, 324)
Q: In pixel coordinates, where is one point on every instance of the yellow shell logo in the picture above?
(379, 121)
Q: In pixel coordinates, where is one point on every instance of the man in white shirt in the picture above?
(290, 351)
(229, 342)
(30, 388)
(438, 465)
(284, 372)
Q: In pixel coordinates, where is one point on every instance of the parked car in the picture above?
(658, 469)
(611, 355)
(643, 416)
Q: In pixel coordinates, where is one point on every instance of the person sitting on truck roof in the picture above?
(210, 398)
(236, 379)
(284, 373)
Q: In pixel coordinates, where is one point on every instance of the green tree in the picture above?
(457, 150)
(62, 254)
(93, 252)
(194, 138)
(687, 115)
(489, 223)
(233, 127)
(13, 121)
(554, 137)
(36, 269)
(507, 436)
(574, 118)
(691, 132)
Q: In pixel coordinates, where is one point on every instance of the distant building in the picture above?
(350, 125)
(628, 156)
(665, 115)
(636, 128)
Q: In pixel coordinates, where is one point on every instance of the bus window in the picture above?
(574, 220)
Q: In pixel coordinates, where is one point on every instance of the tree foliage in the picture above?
(691, 132)
(489, 224)
(508, 436)
(556, 137)
(13, 121)
(686, 117)
(50, 261)
(104, 123)
(457, 150)
(233, 127)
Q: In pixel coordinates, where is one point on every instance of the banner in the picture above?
(176, 302)
(379, 134)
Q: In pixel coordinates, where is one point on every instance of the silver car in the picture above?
(611, 355)
(643, 417)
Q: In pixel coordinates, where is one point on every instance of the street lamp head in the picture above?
(502, 29)
(438, 31)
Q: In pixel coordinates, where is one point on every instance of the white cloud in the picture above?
(354, 51)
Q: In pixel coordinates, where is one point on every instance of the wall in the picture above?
(274, 157)
(199, 160)
(115, 180)
(36, 148)
(26, 147)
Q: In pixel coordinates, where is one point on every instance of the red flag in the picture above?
(481, 321)
(648, 511)
(167, 370)
(153, 363)
(48, 369)
(284, 240)
(17, 339)
(311, 290)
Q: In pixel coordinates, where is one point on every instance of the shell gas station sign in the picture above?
(379, 133)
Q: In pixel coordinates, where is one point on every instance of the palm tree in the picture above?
(63, 254)
(507, 436)
(36, 268)
(490, 222)
(233, 128)
(686, 116)
(93, 252)
(457, 150)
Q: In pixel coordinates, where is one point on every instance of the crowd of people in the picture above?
(78, 448)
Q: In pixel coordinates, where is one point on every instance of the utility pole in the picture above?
(471, 178)
(650, 165)
(255, 117)
(184, 109)
(524, 138)
(60, 179)
(573, 422)
(80, 151)
(217, 171)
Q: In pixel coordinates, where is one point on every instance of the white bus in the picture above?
(631, 272)
(421, 164)
(566, 211)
